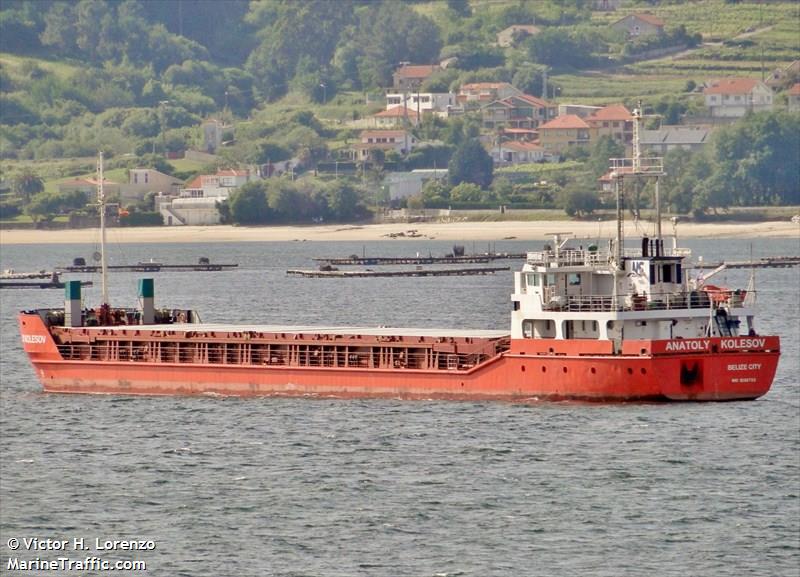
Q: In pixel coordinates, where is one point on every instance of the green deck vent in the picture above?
(72, 290)
(146, 288)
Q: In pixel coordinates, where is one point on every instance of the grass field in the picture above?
(15, 65)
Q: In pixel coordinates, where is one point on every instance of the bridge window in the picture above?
(527, 329)
(532, 279)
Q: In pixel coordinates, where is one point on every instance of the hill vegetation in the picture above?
(136, 78)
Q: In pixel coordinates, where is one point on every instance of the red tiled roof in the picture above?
(521, 146)
(613, 112)
(565, 122)
(196, 182)
(645, 17)
(532, 100)
(732, 86)
(795, 90)
(416, 70)
(396, 111)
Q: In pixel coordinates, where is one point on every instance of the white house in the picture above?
(218, 185)
(405, 184)
(196, 203)
(431, 102)
(735, 97)
(641, 24)
(517, 152)
(401, 141)
(396, 117)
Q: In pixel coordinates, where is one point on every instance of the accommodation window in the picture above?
(527, 329)
(666, 274)
(574, 279)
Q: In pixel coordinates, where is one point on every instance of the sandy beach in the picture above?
(454, 231)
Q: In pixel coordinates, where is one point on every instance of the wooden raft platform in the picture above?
(400, 260)
(38, 284)
(149, 267)
(395, 273)
(766, 262)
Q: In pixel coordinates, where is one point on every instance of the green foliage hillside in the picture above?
(136, 78)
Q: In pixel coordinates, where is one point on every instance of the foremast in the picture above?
(101, 199)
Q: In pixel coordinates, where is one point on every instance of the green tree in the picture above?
(579, 199)
(343, 200)
(435, 193)
(603, 150)
(389, 33)
(307, 30)
(466, 192)
(248, 204)
(26, 183)
(285, 201)
(471, 163)
(560, 48)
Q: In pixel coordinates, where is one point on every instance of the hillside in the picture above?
(296, 80)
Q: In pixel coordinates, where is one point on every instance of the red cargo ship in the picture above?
(589, 324)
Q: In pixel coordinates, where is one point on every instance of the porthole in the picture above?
(630, 371)
(643, 371)
(522, 368)
(594, 370)
(564, 369)
(544, 369)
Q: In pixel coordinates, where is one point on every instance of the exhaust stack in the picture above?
(72, 304)
(147, 301)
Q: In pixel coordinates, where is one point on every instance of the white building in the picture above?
(735, 97)
(431, 102)
(405, 184)
(196, 203)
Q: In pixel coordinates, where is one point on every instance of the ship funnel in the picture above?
(147, 301)
(72, 303)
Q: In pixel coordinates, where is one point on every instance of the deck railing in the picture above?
(655, 301)
(583, 257)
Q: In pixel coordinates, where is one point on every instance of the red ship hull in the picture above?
(709, 369)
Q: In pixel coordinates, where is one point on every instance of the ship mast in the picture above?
(634, 166)
(101, 198)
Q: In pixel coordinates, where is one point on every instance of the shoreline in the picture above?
(454, 231)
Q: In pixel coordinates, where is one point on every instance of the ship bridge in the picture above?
(565, 292)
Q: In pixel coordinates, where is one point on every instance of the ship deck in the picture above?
(343, 347)
(432, 333)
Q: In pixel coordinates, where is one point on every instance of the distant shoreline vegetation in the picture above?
(297, 81)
